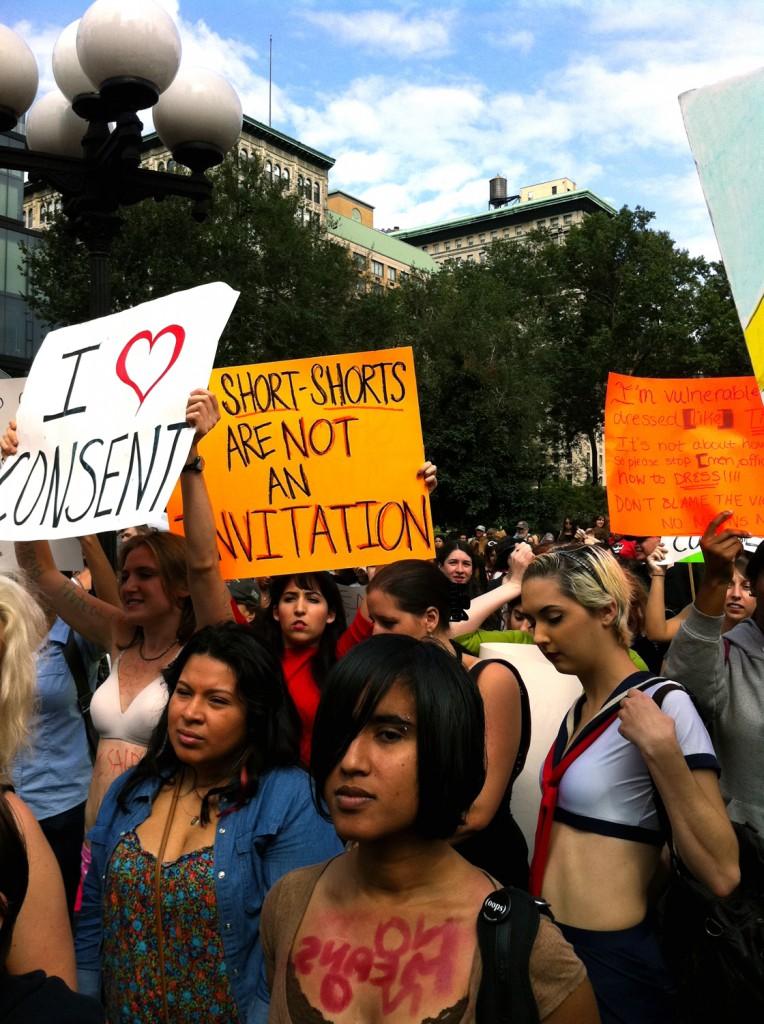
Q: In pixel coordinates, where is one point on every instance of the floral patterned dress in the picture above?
(198, 987)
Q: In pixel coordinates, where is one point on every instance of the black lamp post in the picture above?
(85, 141)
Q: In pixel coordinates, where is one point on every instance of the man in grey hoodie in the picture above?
(726, 676)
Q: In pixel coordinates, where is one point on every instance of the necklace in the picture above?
(161, 654)
(197, 819)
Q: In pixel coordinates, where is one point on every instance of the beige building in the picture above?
(551, 206)
(382, 260)
(284, 159)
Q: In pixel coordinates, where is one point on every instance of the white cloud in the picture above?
(394, 34)
(521, 40)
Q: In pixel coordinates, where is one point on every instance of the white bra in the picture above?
(137, 722)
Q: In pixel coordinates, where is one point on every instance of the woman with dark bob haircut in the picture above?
(388, 928)
(412, 597)
(189, 841)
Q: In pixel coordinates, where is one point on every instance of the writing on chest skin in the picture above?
(403, 963)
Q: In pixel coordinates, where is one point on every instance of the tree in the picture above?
(295, 282)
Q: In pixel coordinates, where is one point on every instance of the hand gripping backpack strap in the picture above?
(507, 926)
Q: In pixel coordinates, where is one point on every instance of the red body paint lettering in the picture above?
(399, 965)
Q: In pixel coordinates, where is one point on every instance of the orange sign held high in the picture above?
(314, 463)
(680, 451)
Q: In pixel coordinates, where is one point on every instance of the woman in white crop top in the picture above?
(599, 837)
(168, 587)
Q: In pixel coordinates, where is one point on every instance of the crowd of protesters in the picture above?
(289, 798)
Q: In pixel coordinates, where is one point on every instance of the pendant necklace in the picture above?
(156, 657)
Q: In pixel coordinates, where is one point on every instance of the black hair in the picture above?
(455, 545)
(504, 551)
(450, 725)
(273, 725)
(416, 586)
(14, 876)
(268, 630)
(755, 564)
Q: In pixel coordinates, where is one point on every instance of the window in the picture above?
(43, 213)
(541, 223)
(243, 155)
(482, 239)
(308, 188)
(424, 248)
(494, 235)
(554, 190)
(378, 289)
(483, 256)
(316, 192)
(299, 185)
(505, 232)
(391, 275)
(434, 246)
(285, 177)
(172, 166)
(447, 246)
(377, 268)
(268, 170)
(553, 222)
(404, 277)
(458, 243)
(469, 240)
(567, 219)
(276, 172)
(160, 165)
(355, 214)
(359, 261)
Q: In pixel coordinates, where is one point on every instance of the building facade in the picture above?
(551, 206)
(21, 333)
(381, 260)
(284, 159)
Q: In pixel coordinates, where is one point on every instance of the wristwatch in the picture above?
(195, 466)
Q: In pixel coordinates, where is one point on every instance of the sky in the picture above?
(420, 104)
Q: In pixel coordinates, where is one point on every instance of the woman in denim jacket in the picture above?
(187, 844)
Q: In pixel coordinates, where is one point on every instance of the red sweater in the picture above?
(297, 664)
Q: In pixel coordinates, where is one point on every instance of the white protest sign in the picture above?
(66, 553)
(102, 428)
(11, 389)
(687, 549)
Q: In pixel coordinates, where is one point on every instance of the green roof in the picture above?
(379, 242)
(515, 211)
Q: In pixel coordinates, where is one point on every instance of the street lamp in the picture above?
(85, 141)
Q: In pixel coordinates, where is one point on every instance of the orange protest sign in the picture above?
(678, 452)
(314, 463)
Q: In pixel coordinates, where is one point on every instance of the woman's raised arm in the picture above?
(209, 594)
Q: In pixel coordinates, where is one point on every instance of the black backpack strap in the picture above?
(76, 665)
(507, 926)
(663, 691)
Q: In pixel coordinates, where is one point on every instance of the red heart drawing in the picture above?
(180, 336)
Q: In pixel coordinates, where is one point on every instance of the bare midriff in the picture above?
(598, 882)
(113, 759)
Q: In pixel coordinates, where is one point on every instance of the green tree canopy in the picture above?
(295, 282)
(512, 354)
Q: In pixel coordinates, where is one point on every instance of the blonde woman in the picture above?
(42, 938)
(600, 834)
